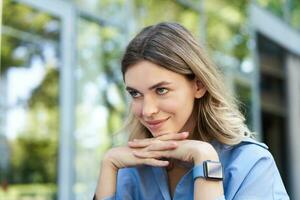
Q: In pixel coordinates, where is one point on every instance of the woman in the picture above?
(184, 128)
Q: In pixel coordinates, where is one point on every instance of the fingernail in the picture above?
(185, 133)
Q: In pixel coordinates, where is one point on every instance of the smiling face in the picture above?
(162, 100)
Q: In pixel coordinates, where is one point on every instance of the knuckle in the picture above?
(172, 144)
(156, 155)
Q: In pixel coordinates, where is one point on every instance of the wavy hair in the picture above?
(173, 47)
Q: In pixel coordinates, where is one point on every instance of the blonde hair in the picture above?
(173, 47)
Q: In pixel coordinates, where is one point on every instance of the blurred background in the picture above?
(61, 92)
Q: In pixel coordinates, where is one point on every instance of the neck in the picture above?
(176, 164)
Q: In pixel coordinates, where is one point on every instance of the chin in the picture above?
(160, 133)
(157, 134)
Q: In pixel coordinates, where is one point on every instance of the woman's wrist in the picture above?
(108, 162)
(202, 154)
(107, 180)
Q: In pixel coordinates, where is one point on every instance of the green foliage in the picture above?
(276, 6)
(111, 67)
(226, 27)
(18, 19)
(46, 94)
(27, 19)
(243, 93)
(34, 161)
(295, 14)
(34, 151)
(29, 191)
(225, 21)
(153, 11)
(7, 48)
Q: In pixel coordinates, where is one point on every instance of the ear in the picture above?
(200, 89)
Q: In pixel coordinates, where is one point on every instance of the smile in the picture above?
(155, 124)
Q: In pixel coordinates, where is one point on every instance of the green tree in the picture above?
(35, 149)
(34, 152)
(18, 19)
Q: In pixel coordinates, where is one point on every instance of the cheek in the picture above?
(136, 108)
(181, 107)
(170, 106)
(178, 103)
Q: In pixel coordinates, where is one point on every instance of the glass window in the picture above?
(110, 10)
(29, 117)
(100, 102)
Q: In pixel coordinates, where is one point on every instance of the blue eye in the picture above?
(134, 94)
(162, 91)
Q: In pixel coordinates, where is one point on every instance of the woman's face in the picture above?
(162, 100)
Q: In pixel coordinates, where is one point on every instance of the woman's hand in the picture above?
(120, 157)
(192, 151)
(150, 151)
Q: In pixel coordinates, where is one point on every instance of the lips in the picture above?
(155, 124)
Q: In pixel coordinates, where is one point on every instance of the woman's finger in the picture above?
(140, 143)
(151, 154)
(155, 145)
(156, 162)
(146, 154)
(173, 136)
(161, 146)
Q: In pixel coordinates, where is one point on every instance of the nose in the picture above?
(150, 107)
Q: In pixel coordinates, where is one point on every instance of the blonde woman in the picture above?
(188, 139)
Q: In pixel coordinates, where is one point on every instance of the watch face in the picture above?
(213, 170)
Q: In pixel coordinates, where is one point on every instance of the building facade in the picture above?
(277, 83)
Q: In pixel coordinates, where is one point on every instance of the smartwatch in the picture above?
(209, 170)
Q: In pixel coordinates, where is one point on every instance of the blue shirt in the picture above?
(250, 173)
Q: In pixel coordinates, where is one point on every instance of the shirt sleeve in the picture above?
(125, 188)
(256, 177)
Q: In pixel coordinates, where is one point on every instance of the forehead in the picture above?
(147, 73)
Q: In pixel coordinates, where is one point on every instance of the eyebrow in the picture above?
(162, 83)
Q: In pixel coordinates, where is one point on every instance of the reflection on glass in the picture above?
(100, 100)
(106, 9)
(28, 103)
